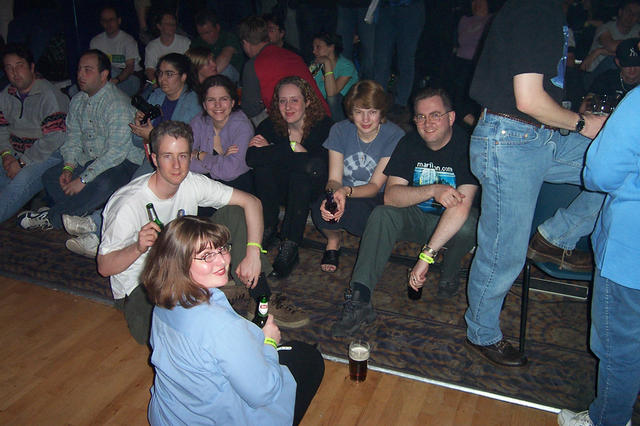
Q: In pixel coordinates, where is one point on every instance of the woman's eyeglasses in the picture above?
(212, 255)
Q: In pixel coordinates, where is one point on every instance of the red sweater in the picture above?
(273, 63)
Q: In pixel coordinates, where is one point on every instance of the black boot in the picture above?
(285, 260)
(355, 313)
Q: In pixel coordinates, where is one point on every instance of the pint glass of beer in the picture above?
(358, 358)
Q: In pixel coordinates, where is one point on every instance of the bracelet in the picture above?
(426, 258)
(68, 168)
(257, 245)
(292, 144)
(350, 192)
(270, 341)
(328, 73)
(7, 152)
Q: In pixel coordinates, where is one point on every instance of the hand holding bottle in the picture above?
(271, 329)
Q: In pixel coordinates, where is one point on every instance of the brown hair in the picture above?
(430, 92)
(176, 129)
(313, 113)
(367, 94)
(166, 270)
(253, 30)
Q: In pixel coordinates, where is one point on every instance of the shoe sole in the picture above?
(292, 324)
(479, 353)
(536, 256)
(75, 233)
(80, 251)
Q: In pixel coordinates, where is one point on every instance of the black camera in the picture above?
(150, 111)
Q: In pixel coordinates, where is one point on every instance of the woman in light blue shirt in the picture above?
(212, 365)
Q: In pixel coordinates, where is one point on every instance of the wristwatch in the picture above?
(580, 123)
(83, 180)
(429, 251)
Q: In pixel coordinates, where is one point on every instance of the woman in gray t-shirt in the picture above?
(359, 149)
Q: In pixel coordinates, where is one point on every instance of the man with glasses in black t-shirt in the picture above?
(429, 199)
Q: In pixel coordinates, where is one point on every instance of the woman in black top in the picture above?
(290, 164)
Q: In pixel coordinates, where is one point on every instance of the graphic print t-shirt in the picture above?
(413, 161)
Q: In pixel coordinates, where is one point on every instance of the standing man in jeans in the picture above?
(515, 147)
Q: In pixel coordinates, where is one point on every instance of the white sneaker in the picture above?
(569, 418)
(78, 225)
(85, 245)
(35, 219)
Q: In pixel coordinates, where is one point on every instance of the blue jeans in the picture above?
(615, 339)
(511, 160)
(399, 27)
(16, 192)
(350, 23)
(94, 194)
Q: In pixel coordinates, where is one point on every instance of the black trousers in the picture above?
(296, 188)
(307, 367)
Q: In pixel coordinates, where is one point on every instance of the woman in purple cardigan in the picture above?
(221, 135)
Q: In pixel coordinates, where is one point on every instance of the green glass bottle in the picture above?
(153, 216)
(263, 312)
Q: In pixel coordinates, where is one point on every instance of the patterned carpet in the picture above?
(422, 337)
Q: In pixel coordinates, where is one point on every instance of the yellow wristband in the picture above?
(7, 152)
(328, 73)
(270, 341)
(292, 144)
(426, 258)
(257, 245)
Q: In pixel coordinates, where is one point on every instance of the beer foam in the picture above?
(359, 353)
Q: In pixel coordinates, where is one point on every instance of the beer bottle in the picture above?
(153, 216)
(263, 312)
(330, 204)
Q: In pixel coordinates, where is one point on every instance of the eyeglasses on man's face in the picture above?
(213, 255)
(434, 116)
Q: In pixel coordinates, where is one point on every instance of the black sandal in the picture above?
(330, 257)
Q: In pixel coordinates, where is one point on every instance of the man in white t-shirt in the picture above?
(122, 50)
(127, 232)
(168, 42)
(610, 34)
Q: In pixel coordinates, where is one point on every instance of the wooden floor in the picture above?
(69, 360)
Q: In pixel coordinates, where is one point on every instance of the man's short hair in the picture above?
(430, 92)
(165, 13)
(20, 50)
(205, 17)
(253, 30)
(104, 64)
(176, 129)
(110, 7)
(275, 20)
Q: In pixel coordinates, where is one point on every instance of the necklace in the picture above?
(367, 145)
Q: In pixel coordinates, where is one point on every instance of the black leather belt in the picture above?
(521, 120)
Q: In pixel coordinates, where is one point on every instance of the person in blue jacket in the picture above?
(212, 365)
(613, 167)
